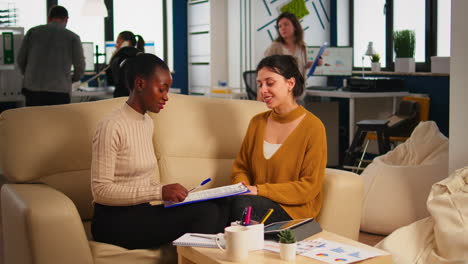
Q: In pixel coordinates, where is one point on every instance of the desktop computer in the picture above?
(110, 48)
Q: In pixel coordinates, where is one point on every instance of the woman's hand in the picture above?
(174, 193)
(252, 189)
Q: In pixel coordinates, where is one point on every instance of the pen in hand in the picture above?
(200, 185)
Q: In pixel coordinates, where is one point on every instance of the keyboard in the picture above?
(322, 88)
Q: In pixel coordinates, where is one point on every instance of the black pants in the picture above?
(146, 226)
(45, 98)
(259, 205)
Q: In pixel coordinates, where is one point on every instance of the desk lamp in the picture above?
(369, 52)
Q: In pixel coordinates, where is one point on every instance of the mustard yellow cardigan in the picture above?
(293, 176)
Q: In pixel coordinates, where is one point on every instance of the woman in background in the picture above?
(123, 167)
(284, 153)
(127, 45)
(290, 41)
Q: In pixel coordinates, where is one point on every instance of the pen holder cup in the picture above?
(256, 235)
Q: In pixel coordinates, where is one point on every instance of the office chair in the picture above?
(423, 114)
(250, 80)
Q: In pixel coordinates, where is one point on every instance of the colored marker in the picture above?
(247, 217)
(267, 215)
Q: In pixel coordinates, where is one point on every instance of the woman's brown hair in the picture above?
(298, 31)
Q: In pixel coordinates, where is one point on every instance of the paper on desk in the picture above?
(327, 251)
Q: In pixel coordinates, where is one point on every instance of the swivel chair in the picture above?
(250, 80)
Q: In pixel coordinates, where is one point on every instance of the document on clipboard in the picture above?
(209, 194)
(317, 58)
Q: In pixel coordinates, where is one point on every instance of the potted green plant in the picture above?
(375, 62)
(404, 42)
(287, 243)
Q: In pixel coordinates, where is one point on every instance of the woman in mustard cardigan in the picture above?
(284, 153)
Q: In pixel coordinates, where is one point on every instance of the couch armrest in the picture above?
(342, 203)
(41, 225)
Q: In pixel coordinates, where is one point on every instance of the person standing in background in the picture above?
(290, 41)
(127, 46)
(45, 59)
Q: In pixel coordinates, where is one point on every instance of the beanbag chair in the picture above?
(396, 185)
(440, 238)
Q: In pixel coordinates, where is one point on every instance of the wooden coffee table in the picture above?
(198, 255)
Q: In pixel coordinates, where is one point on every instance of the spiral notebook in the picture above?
(198, 240)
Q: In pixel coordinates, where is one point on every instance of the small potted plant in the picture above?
(287, 243)
(404, 43)
(375, 65)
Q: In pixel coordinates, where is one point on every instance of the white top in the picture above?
(276, 48)
(269, 149)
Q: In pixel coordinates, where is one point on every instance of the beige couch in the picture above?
(46, 157)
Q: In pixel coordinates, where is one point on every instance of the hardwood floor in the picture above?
(370, 239)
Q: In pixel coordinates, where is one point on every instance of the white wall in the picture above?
(251, 27)
(458, 150)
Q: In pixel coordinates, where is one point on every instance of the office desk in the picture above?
(352, 101)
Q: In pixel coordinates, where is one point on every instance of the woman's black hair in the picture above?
(286, 66)
(298, 31)
(143, 65)
(129, 36)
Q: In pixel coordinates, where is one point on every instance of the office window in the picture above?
(412, 15)
(369, 25)
(143, 18)
(372, 19)
(443, 27)
(89, 28)
(342, 24)
(29, 13)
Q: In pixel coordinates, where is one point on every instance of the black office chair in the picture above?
(250, 80)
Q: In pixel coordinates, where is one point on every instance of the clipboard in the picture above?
(317, 58)
(209, 194)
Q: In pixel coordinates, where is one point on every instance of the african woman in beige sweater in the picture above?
(284, 153)
(124, 164)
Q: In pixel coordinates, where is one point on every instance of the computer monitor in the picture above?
(110, 48)
(337, 61)
(88, 51)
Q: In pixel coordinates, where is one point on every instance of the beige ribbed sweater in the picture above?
(123, 163)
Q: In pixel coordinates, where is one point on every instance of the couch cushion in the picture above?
(110, 254)
(40, 141)
(52, 145)
(199, 137)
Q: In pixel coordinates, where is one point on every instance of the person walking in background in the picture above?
(127, 46)
(45, 59)
(290, 41)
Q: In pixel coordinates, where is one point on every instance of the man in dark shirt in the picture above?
(45, 59)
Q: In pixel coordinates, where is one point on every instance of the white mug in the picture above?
(237, 243)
